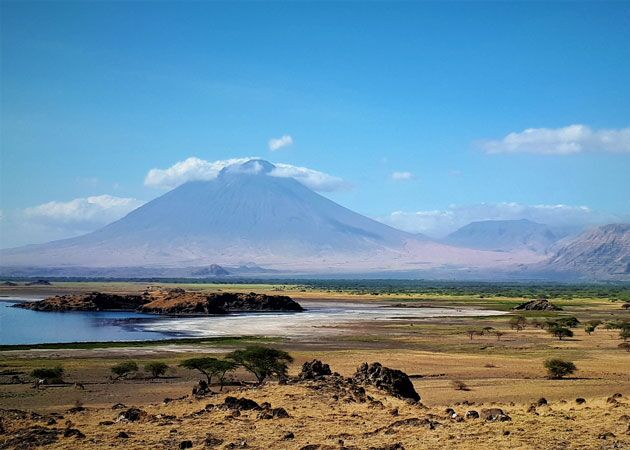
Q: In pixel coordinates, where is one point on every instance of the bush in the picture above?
(262, 361)
(156, 368)
(123, 369)
(210, 367)
(558, 368)
(589, 329)
(625, 346)
(570, 322)
(624, 334)
(50, 375)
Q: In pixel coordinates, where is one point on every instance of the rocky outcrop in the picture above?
(94, 301)
(395, 382)
(171, 301)
(314, 370)
(542, 304)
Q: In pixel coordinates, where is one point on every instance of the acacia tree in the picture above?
(123, 369)
(518, 323)
(156, 368)
(261, 361)
(471, 333)
(560, 332)
(210, 367)
(558, 368)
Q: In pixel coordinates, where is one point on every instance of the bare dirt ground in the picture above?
(506, 373)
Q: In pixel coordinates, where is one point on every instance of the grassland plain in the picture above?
(505, 371)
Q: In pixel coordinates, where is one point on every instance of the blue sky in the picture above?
(408, 103)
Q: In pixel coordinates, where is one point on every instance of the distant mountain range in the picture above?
(504, 235)
(249, 222)
(600, 253)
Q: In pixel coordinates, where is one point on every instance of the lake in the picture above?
(23, 326)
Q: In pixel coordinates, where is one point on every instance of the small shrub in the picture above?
(624, 334)
(459, 385)
(559, 368)
(123, 369)
(50, 375)
(156, 368)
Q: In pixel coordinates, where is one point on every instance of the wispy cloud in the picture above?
(440, 222)
(278, 143)
(99, 209)
(198, 169)
(561, 141)
(401, 176)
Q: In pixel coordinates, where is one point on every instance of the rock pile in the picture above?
(542, 304)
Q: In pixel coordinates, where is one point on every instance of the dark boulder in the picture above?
(580, 401)
(314, 370)
(241, 404)
(541, 401)
(472, 414)
(393, 381)
(212, 441)
(495, 415)
(131, 415)
(201, 389)
(185, 444)
(73, 432)
(274, 413)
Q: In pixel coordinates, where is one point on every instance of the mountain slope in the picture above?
(598, 253)
(504, 235)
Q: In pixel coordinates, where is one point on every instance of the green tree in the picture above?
(123, 369)
(559, 368)
(262, 361)
(156, 368)
(518, 323)
(50, 375)
(560, 332)
(210, 367)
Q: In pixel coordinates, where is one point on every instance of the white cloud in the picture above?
(401, 176)
(100, 209)
(198, 169)
(561, 141)
(318, 181)
(59, 220)
(188, 170)
(278, 143)
(438, 223)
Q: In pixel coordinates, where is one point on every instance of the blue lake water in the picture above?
(23, 326)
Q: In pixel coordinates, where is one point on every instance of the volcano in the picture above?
(247, 215)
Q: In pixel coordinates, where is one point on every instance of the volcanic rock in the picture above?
(542, 304)
(314, 370)
(393, 381)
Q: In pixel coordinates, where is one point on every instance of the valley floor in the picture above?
(507, 373)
